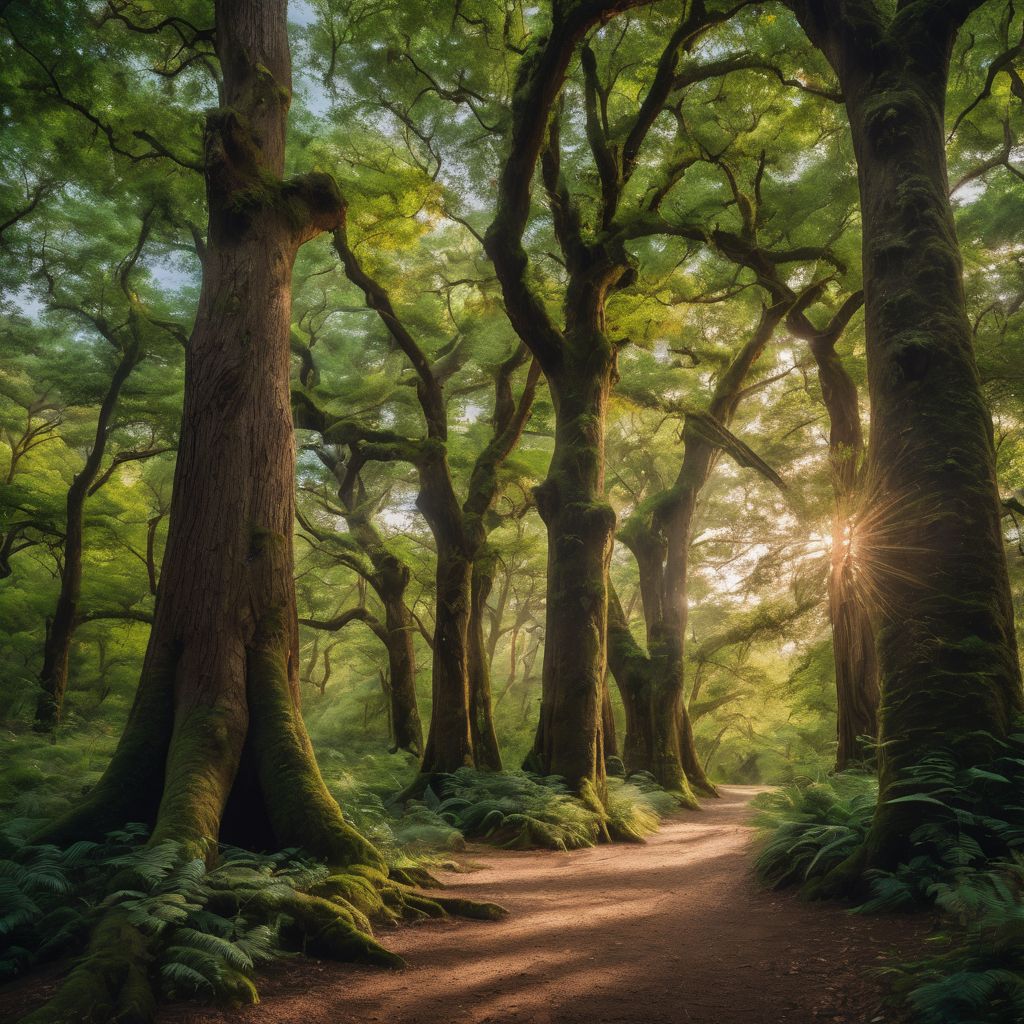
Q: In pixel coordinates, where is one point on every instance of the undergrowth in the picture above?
(969, 868)
(520, 810)
(513, 810)
(205, 943)
(52, 898)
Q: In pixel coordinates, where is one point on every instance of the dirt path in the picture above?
(671, 932)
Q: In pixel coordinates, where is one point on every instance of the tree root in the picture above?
(116, 979)
(110, 983)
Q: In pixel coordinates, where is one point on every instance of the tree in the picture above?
(659, 532)
(931, 545)
(379, 565)
(214, 746)
(127, 341)
(461, 732)
(853, 641)
(579, 358)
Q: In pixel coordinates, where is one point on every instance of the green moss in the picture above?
(201, 765)
(302, 811)
(110, 983)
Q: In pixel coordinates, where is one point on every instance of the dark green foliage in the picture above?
(514, 809)
(205, 944)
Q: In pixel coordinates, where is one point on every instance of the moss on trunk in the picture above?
(929, 545)
(216, 723)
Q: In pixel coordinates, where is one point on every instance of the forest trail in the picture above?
(674, 931)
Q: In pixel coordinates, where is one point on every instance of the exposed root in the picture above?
(334, 919)
(110, 983)
(414, 878)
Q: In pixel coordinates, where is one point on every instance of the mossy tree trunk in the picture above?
(930, 545)
(220, 673)
(215, 721)
(215, 746)
(578, 356)
(449, 738)
(609, 734)
(580, 524)
(481, 712)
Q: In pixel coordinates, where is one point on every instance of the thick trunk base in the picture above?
(214, 772)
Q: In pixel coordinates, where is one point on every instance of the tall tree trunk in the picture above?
(449, 739)
(661, 543)
(406, 730)
(461, 688)
(60, 629)
(659, 534)
(215, 747)
(580, 526)
(631, 668)
(216, 713)
(577, 358)
(929, 544)
(481, 719)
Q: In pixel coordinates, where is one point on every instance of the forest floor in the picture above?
(674, 931)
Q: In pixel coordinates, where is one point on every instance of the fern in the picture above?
(808, 828)
(51, 897)
(969, 866)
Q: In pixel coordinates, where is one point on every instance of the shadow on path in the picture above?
(674, 931)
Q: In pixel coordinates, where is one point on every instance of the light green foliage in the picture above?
(809, 827)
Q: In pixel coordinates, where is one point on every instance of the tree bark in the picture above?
(580, 524)
(215, 747)
(449, 738)
(406, 730)
(611, 740)
(578, 358)
(486, 752)
(929, 545)
(215, 731)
